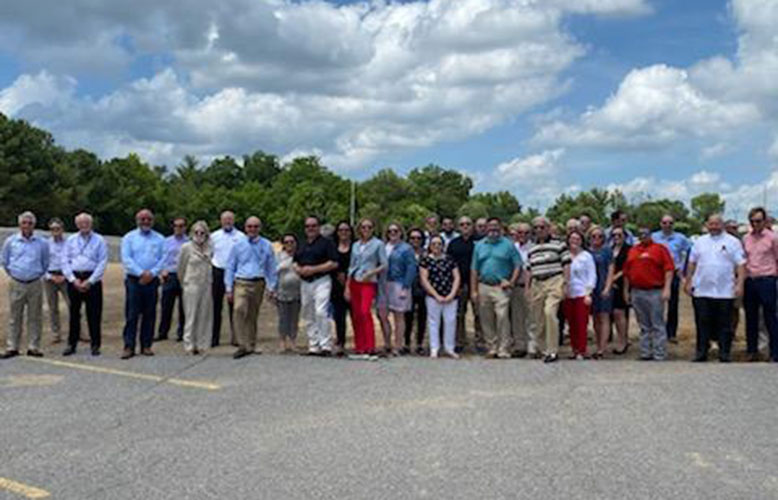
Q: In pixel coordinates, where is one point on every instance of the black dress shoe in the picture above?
(34, 353)
(725, 359)
(95, 351)
(700, 359)
(179, 339)
(160, 339)
(9, 354)
(519, 354)
(646, 358)
(240, 353)
(71, 350)
(551, 358)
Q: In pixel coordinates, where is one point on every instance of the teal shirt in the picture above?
(495, 261)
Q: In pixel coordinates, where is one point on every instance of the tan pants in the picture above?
(52, 291)
(248, 299)
(522, 331)
(546, 297)
(21, 296)
(493, 305)
(198, 316)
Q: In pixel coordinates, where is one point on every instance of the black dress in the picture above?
(340, 306)
(618, 285)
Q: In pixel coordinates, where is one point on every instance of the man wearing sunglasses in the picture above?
(648, 276)
(25, 258)
(761, 246)
(171, 286)
(316, 258)
(461, 250)
(678, 245)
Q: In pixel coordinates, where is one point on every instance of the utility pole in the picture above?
(353, 203)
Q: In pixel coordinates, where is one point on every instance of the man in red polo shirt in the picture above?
(648, 276)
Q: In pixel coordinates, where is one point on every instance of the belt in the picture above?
(137, 278)
(250, 280)
(23, 282)
(490, 283)
(544, 278)
(56, 273)
(82, 275)
(761, 277)
(649, 289)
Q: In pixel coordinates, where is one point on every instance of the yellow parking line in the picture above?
(22, 489)
(141, 376)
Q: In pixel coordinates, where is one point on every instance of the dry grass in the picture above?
(113, 322)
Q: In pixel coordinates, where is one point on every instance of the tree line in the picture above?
(39, 175)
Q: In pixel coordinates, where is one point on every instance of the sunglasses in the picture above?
(289, 242)
(414, 237)
(311, 226)
(252, 226)
(200, 233)
(394, 231)
(464, 224)
(367, 226)
(179, 225)
(757, 221)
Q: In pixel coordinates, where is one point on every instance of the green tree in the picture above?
(442, 191)
(705, 204)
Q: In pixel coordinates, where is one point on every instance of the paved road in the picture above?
(290, 427)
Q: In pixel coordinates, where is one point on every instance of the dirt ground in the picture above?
(113, 322)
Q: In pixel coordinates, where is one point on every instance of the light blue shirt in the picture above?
(366, 257)
(678, 245)
(25, 259)
(56, 255)
(251, 259)
(173, 246)
(85, 254)
(143, 251)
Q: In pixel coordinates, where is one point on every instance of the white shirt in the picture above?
(56, 256)
(222, 243)
(716, 257)
(583, 275)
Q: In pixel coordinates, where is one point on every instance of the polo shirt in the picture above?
(761, 254)
(547, 259)
(647, 264)
(716, 257)
(461, 250)
(319, 251)
(495, 260)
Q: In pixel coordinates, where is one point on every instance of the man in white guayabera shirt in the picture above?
(717, 270)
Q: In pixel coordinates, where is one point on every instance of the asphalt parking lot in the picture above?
(289, 427)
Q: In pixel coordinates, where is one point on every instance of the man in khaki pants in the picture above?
(495, 269)
(549, 264)
(251, 272)
(25, 258)
(54, 283)
(522, 330)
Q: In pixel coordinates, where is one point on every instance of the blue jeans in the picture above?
(141, 301)
(761, 292)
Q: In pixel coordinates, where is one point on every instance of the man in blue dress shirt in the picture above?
(679, 246)
(250, 273)
(143, 258)
(86, 257)
(25, 258)
(171, 287)
(54, 282)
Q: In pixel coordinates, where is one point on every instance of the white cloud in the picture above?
(351, 81)
(42, 90)
(656, 105)
(774, 148)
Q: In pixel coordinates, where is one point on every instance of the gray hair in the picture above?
(716, 215)
(28, 216)
(540, 220)
(83, 215)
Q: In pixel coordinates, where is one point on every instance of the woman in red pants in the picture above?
(578, 299)
(368, 261)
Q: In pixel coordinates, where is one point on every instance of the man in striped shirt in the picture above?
(549, 266)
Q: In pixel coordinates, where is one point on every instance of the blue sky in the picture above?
(653, 97)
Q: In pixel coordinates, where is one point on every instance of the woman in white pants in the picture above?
(440, 278)
(194, 273)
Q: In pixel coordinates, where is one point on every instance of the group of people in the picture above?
(525, 284)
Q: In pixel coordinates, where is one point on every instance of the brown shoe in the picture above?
(127, 354)
(147, 352)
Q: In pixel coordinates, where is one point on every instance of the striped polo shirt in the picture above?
(547, 260)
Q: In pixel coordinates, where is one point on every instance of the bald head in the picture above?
(145, 219)
(252, 226)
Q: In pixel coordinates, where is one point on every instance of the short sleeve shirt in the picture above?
(716, 257)
(319, 251)
(441, 273)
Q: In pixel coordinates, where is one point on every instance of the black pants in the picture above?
(761, 293)
(340, 310)
(714, 320)
(418, 308)
(140, 304)
(93, 298)
(672, 307)
(217, 292)
(171, 290)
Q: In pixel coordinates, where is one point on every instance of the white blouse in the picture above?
(583, 275)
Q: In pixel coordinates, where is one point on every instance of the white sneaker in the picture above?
(452, 355)
(433, 354)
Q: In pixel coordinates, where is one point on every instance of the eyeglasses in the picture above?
(539, 228)
(667, 223)
(199, 233)
(252, 226)
(465, 224)
(414, 237)
(179, 225)
(394, 231)
(311, 226)
(598, 236)
(757, 221)
(289, 242)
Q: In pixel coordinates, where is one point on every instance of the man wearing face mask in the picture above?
(495, 269)
(251, 272)
(143, 258)
(222, 242)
